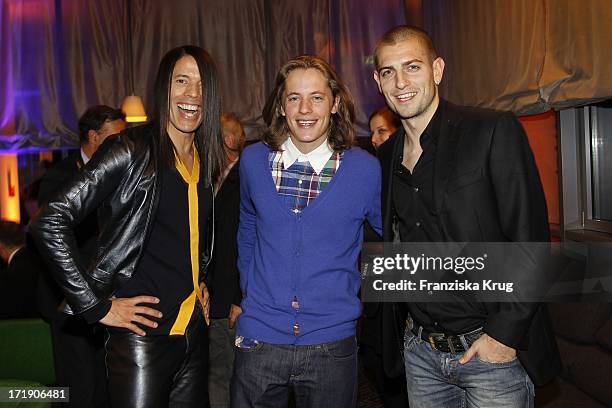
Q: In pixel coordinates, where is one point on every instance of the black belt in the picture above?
(448, 343)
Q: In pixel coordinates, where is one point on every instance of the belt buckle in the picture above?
(431, 340)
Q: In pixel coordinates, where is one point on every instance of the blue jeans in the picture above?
(321, 375)
(436, 379)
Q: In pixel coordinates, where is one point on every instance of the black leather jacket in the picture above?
(121, 182)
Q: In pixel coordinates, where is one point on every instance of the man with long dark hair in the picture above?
(152, 186)
(304, 196)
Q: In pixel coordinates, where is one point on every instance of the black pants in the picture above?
(158, 371)
(392, 391)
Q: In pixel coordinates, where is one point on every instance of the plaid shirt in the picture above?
(299, 185)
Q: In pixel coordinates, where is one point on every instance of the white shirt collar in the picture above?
(84, 157)
(317, 158)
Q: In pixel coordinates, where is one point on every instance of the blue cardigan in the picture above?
(311, 256)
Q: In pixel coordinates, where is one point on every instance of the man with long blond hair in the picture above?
(305, 194)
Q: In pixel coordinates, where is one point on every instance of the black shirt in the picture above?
(164, 270)
(413, 193)
(414, 210)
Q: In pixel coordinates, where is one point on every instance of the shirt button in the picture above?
(418, 224)
(416, 189)
(299, 181)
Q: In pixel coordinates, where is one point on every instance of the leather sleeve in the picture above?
(53, 227)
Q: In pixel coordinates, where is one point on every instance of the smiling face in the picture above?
(185, 98)
(307, 105)
(408, 79)
(380, 130)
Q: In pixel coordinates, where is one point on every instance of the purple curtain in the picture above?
(6, 71)
(527, 56)
(60, 56)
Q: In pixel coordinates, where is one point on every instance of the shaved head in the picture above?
(403, 33)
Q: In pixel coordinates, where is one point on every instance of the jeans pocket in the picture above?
(498, 364)
(341, 350)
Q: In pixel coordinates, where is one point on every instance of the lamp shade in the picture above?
(134, 109)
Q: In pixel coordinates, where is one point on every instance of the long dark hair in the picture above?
(341, 131)
(208, 137)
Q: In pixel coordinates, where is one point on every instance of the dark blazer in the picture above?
(486, 188)
(224, 281)
(57, 175)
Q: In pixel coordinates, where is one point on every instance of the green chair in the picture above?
(25, 351)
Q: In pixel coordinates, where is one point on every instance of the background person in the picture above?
(392, 390)
(223, 282)
(383, 123)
